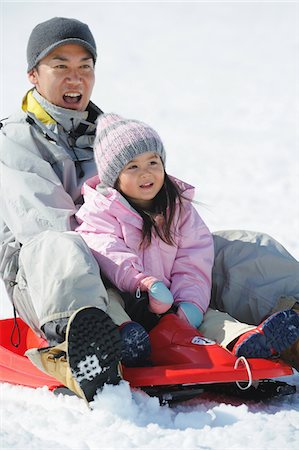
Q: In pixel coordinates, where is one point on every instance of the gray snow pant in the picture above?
(253, 276)
(58, 275)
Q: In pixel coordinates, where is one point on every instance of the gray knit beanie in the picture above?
(48, 35)
(120, 140)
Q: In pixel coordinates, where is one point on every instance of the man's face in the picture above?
(65, 77)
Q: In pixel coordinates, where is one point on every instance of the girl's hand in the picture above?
(160, 297)
(190, 313)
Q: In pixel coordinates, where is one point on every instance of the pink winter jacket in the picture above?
(112, 230)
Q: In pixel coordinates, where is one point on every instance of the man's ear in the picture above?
(32, 76)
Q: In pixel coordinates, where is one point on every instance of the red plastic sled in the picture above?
(180, 357)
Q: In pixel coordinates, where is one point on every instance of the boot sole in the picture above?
(94, 350)
(280, 331)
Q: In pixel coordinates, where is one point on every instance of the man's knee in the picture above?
(61, 275)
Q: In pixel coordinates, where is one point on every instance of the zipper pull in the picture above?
(138, 292)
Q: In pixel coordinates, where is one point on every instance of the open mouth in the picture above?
(147, 185)
(72, 98)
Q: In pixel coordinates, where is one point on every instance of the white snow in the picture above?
(219, 82)
(88, 368)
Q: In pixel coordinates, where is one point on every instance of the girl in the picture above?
(141, 226)
(152, 245)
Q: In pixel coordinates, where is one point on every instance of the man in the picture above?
(50, 274)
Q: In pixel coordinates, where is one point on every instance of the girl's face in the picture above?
(142, 178)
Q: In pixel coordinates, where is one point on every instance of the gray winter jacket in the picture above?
(45, 157)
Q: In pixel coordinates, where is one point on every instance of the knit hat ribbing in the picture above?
(46, 36)
(118, 141)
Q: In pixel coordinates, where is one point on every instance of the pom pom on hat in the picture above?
(120, 140)
(47, 36)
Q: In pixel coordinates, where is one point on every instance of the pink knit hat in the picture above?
(120, 140)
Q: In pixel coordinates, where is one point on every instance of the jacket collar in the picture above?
(31, 105)
(51, 115)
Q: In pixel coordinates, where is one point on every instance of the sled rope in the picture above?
(246, 364)
(16, 328)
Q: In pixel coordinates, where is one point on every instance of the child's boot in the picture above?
(136, 347)
(88, 358)
(291, 354)
(276, 335)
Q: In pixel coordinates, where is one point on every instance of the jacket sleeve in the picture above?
(103, 234)
(33, 198)
(192, 270)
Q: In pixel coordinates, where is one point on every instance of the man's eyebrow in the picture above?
(64, 58)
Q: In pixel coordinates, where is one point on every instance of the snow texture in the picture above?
(219, 82)
(89, 368)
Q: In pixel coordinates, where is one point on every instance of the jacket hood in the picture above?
(95, 183)
(94, 190)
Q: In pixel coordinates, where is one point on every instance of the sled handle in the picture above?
(246, 364)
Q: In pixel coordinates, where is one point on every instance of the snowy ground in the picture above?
(219, 82)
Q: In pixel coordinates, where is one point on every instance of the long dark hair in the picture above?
(165, 203)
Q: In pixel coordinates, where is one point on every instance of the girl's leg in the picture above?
(136, 346)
